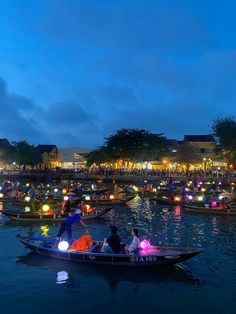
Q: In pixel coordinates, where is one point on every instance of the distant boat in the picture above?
(37, 216)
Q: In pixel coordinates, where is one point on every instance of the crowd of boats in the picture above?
(56, 202)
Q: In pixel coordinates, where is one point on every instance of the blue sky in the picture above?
(72, 72)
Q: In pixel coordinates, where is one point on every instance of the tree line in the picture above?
(21, 154)
(138, 145)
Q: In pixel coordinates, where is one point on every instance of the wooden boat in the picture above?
(37, 216)
(217, 210)
(110, 202)
(153, 256)
(167, 201)
(25, 203)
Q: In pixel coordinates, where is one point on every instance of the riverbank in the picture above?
(119, 178)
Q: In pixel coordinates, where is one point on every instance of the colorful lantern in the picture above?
(63, 246)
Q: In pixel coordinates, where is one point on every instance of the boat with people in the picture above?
(111, 200)
(152, 256)
(210, 210)
(55, 215)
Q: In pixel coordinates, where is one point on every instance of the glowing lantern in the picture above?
(203, 190)
(190, 197)
(48, 185)
(135, 188)
(221, 197)
(64, 191)
(66, 198)
(158, 187)
(177, 198)
(63, 246)
(0, 188)
(27, 184)
(27, 198)
(145, 244)
(154, 190)
(27, 209)
(219, 183)
(55, 190)
(213, 204)
(87, 198)
(87, 207)
(200, 198)
(45, 208)
(1, 195)
(112, 197)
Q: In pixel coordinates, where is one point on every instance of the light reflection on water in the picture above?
(204, 284)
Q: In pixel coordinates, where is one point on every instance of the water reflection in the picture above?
(72, 272)
(62, 277)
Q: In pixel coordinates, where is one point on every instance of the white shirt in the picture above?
(135, 244)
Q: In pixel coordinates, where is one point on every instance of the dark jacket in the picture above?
(114, 243)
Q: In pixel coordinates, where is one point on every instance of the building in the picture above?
(72, 157)
(204, 144)
(49, 154)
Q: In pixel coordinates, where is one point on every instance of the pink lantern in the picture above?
(213, 204)
(145, 244)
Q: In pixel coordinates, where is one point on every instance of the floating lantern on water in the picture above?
(200, 198)
(63, 246)
(203, 190)
(154, 190)
(158, 187)
(190, 197)
(112, 197)
(1, 195)
(55, 190)
(27, 198)
(145, 244)
(45, 207)
(87, 198)
(27, 184)
(64, 191)
(66, 198)
(213, 204)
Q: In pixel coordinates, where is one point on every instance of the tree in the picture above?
(26, 154)
(98, 156)
(225, 133)
(135, 145)
(187, 154)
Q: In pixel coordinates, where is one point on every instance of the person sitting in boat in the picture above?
(93, 197)
(67, 225)
(135, 244)
(113, 243)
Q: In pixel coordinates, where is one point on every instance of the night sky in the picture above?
(72, 71)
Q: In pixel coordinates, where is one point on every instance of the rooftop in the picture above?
(199, 138)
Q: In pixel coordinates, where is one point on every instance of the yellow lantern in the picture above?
(45, 207)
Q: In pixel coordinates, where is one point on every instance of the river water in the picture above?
(205, 284)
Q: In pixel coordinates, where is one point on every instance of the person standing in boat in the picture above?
(66, 225)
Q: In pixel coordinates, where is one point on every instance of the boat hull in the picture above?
(54, 217)
(110, 202)
(166, 257)
(203, 210)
